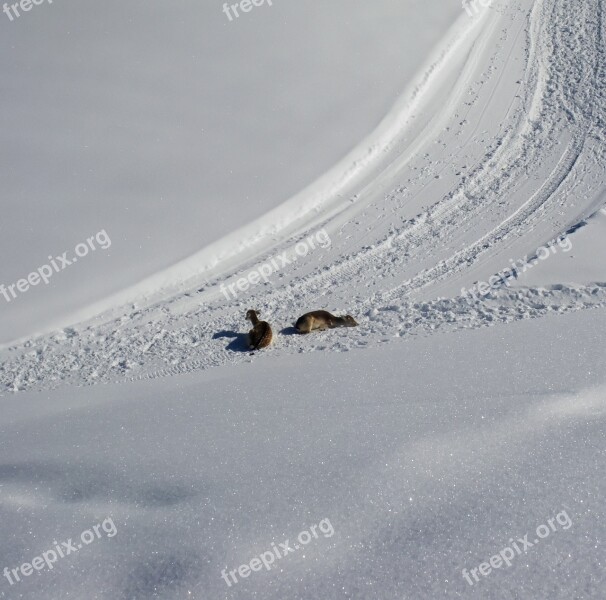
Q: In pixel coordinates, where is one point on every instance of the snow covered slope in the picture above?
(496, 149)
(459, 427)
(145, 119)
(478, 439)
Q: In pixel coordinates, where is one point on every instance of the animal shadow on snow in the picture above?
(289, 331)
(239, 342)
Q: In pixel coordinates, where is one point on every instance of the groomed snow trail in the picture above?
(498, 149)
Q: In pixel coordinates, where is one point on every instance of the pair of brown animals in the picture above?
(261, 335)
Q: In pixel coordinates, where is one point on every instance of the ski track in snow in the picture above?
(449, 193)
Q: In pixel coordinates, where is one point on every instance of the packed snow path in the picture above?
(498, 149)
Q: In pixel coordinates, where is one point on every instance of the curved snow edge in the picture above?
(296, 213)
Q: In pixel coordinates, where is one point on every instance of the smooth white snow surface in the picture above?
(579, 259)
(454, 420)
(475, 440)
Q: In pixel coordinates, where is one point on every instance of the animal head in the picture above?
(251, 315)
(349, 321)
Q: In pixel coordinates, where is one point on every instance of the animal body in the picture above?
(322, 319)
(261, 335)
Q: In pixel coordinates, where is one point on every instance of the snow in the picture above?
(145, 120)
(582, 262)
(437, 434)
(420, 475)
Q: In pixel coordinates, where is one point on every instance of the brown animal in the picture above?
(322, 319)
(261, 335)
